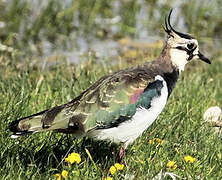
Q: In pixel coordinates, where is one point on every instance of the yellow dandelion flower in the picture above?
(151, 141)
(67, 160)
(172, 165)
(73, 158)
(58, 176)
(112, 170)
(64, 174)
(108, 178)
(160, 141)
(119, 166)
(189, 159)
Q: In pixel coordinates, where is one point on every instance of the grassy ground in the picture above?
(27, 88)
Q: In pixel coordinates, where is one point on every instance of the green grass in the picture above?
(27, 89)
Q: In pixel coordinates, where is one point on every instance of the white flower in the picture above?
(162, 175)
(213, 116)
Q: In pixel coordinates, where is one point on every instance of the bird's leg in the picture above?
(122, 154)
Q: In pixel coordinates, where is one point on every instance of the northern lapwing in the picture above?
(119, 107)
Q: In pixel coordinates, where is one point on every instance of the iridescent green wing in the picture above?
(114, 99)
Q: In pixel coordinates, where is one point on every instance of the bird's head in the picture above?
(182, 47)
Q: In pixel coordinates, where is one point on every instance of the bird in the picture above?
(120, 106)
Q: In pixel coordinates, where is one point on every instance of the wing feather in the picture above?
(115, 98)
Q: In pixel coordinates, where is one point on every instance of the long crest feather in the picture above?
(167, 30)
(170, 28)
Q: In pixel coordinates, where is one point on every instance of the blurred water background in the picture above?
(49, 30)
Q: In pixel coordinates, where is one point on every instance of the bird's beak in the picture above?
(203, 58)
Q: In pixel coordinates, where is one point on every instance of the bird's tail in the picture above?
(52, 119)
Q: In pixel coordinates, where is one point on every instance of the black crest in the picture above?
(170, 28)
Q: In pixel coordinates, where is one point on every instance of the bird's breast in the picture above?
(129, 130)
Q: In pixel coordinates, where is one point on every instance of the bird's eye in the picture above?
(190, 45)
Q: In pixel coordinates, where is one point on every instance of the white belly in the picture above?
(128, 131)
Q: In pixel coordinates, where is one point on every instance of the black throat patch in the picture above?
(171, 79)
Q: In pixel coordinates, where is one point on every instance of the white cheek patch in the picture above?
(179, 58)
